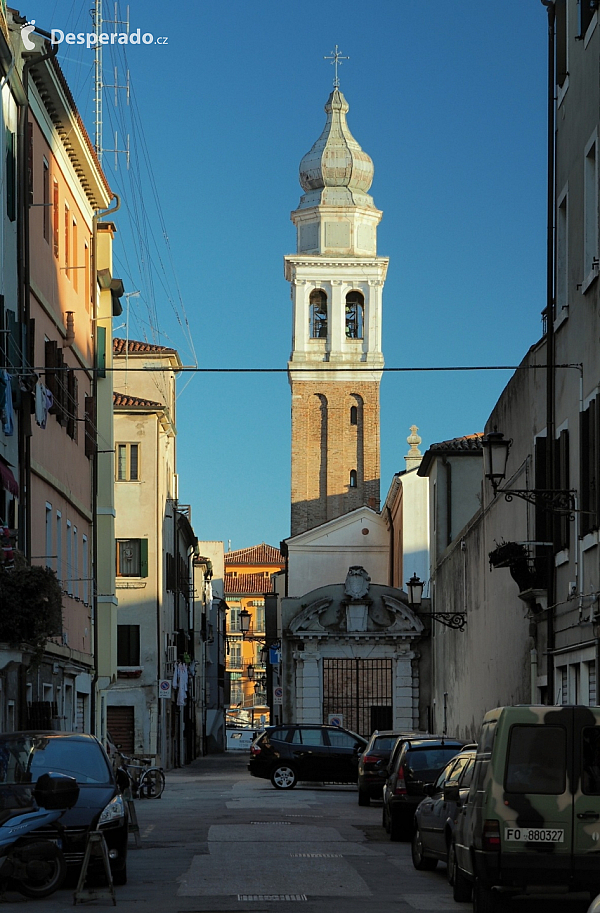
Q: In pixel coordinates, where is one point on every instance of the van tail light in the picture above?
(255, 750)
(400, 788)
(491, 835)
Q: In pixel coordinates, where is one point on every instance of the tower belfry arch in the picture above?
(336, 362)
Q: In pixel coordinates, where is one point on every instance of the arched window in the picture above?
(318, 314)
(354, 415)
(353, 478)
(355, 309)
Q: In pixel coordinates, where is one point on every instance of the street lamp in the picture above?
(495, 457)
(414, 589)
(245, 618)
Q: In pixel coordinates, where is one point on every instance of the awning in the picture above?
(7, 479)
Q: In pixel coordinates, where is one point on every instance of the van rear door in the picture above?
(586, 789)
(537, 798)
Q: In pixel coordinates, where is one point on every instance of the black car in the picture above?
(436, 814)
(286, 754)
(26, 755)
(373, 762)
(413, 764)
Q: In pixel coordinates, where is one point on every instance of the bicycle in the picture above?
(146, 781)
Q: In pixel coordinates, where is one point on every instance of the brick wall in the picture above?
(326, 447)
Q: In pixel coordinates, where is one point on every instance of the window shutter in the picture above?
(51, 348)
(72, 404)
(101, 352)
(143, 557)
(90, 426)
(30, 161)
(542, 530)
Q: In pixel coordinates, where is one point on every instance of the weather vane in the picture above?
(336, 59)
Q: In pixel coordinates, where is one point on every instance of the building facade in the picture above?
(248, 573)
(53, 197)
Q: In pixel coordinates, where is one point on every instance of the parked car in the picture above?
(413, 764)
(286, 754)
(435, 816)
(531, 818)
(373, 762)
(26, 755)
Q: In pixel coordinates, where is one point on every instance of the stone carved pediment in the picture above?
(384, 616)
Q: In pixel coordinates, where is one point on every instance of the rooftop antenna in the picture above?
(336, 60)
(99, 85)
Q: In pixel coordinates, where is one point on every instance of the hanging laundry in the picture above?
(6, 406)
(183, 685)
(43, 402)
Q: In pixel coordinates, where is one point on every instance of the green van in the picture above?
(531, 822)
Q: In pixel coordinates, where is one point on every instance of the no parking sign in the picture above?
(278, 694)
(164, 688)
(336, 719)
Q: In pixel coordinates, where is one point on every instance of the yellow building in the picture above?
(248, 574)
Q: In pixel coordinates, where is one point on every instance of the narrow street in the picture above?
(219, 840)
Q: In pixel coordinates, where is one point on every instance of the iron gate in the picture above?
(360, 689)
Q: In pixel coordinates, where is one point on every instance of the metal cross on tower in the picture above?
(336, 59)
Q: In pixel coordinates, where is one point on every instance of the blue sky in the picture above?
(448, 99)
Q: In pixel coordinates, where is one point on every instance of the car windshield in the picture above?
(429, 758)
(384, 743)
(24, 759)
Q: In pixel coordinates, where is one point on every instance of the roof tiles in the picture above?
(256, 554)
(135, 347)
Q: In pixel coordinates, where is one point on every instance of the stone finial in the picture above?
(414, 455)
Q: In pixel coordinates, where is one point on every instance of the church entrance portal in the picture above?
(361, 690)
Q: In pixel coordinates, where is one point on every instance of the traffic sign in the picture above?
(164, 688)
(278, 694)
(336, 719)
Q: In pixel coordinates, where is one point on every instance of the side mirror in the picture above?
(451, 794)
(429, 789)
(122, 778)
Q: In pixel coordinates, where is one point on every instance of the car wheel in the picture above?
(363, 797)
(421, 863)
(284, 777)
(45, 875)
(485, 900)
(119, 876)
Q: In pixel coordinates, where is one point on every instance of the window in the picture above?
(59, 567)
(55, 216)
(353, 415)
(86, 262)
(234, 621)
(74, 249)
(85, 570)
(46, 206)
(259, 618)
(353, 479)
(562, 299)
(128, 645)
(48, 535)
(536, 761)
(560, 7)
(75, 564)
(69, 560)
(11, 176)
(355, 306)
(587, 8)
(132, 557)
(67, 241)
(128, 462)
(235, 655)
(590, 209)
(318, 314)
(590, 466)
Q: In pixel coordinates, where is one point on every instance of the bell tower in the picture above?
(336, 361)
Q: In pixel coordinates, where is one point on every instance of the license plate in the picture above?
(534, 834)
